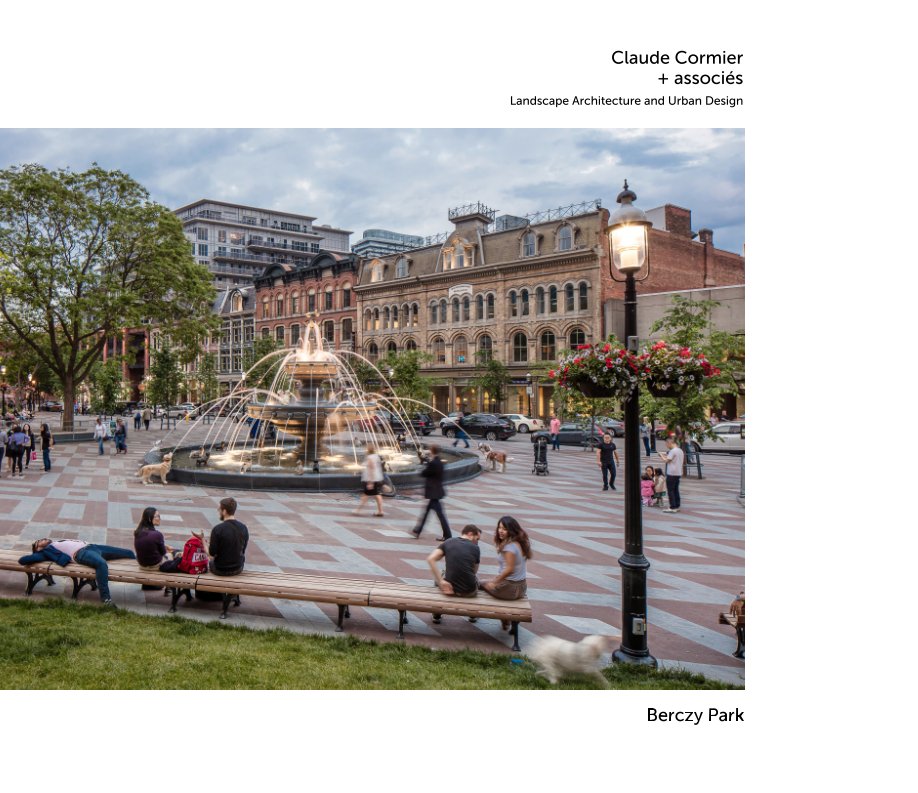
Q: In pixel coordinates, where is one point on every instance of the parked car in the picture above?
(524, 423)
(730, 438)
(449, 418)
(577, 435)
(614, 426)
(420, 422)
(483, 425)
(52, 407)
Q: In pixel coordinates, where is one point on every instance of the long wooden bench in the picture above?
(338, 590)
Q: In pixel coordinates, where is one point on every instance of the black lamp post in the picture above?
(628, 233)
(3, 387)
(529, 394)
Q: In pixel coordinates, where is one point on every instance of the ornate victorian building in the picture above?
(321, 288)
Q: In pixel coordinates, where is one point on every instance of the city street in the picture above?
(696, 556)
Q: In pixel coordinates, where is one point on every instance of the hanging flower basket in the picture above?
(671, 370)
(598, 371)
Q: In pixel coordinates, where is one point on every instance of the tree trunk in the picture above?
(67, 414)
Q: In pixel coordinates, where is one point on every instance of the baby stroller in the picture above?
(540, 454)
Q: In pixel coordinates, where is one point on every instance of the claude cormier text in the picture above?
(695, 717)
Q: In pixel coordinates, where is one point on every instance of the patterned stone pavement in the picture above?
(696, 556)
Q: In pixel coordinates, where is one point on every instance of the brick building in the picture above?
(520, 289)
(321, 288)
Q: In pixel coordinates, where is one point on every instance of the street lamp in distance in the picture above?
(529, 394)
(629, 256)
(3, 386)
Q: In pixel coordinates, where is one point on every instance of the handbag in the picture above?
(34, 455)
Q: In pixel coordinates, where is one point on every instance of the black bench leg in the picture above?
(347, 611)
(342, 613)
(227, 599)
(79, 583)
(177, 593)
(515, 633)
(740, 642)
(34, 578)
(402, 621)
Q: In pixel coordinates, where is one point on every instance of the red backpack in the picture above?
(194, 557)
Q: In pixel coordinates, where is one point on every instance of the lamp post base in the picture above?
(622, 656)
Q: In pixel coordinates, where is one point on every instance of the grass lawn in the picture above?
(58, 644)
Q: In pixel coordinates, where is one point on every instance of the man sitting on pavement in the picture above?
(462, 556)
(62, 552)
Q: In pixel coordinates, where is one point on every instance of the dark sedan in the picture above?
(483, 425)
(579, 435)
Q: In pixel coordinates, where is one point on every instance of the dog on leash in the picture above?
(494, 457)
(157, 469)
(557, 657)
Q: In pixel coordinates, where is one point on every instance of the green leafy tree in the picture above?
(688, 323)
(107, 385)
(494, 379)
(84, 255)
(406, 379)
(260, 373)
(166, 378)
(207, 376)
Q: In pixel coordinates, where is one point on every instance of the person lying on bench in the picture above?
(462, 556)
(62, 552)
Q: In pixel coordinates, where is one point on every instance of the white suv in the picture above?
(524, 423)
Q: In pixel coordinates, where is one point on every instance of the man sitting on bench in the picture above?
(228, 541)
(62, 552)
(462, 556)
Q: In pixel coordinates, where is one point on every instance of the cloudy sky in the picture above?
(406, 180)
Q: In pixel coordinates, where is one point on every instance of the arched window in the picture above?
(411, 345)
(391, 348)
(328, 332)
(375, 319)
(520, 348)
(553, 300)
(460, 256)
(443, 312)
(455, 309)
(540, 300)
(569, 297)
(485, 349)
(279, 334)
(346, 296)
(266, 333)
(584, 299)
(564, 238)
(524, 302)
(433, 313)
(547, 346)
(386, 317)
(514, 307)
(311, 301)
(395, 317)
(372, 351)
(466, 303)
(414, 315)
(279, 306)
(439, 350)
(367, 320)
(329, 298)
(376, 273)
(529, 244)
(294, 304)
(460, 349)
(490, 312)
(577, 338)
(265, 308)
(401, 267)
(479, 307)
(237, 302)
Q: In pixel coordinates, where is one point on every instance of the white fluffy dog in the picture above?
(557, 657)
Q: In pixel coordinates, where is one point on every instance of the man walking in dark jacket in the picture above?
(63, 552)
(433, 492)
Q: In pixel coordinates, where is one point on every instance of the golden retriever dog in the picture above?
(157, 469)
(494, 457)
(557, 657)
